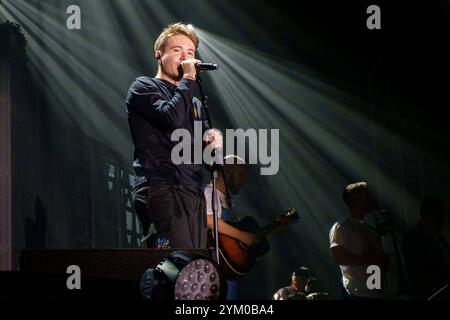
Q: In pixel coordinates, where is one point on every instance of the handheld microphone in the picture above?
(207, 66)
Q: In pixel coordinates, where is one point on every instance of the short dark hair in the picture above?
(349, 192)
(235, 162)
(302, 272)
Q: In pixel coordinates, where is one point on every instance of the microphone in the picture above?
(207, 66)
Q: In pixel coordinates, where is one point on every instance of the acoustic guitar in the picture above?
(235, 258)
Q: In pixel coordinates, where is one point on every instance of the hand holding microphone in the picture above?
(192, 66)
(189, 68)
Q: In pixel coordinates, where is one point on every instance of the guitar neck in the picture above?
(267, 229)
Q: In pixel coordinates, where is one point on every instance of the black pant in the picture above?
(178, 215)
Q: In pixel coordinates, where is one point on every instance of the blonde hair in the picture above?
(172, 30)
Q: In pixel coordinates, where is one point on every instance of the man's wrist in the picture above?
(190, 76)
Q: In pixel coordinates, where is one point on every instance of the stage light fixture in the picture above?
(182, 276)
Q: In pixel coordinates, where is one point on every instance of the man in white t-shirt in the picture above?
(235, 175)
(355, 246)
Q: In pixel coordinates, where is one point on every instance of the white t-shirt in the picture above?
(357, 237)
(220, 201)
(287, 293)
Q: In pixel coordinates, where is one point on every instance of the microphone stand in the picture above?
(213, 171)
(385, 228)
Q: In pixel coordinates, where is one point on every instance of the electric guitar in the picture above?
(235, 258)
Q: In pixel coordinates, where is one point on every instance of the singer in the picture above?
(168, 198)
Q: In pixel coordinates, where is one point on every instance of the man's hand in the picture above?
(249, 239)
(283, 223)
(189, 69)
(214, 137)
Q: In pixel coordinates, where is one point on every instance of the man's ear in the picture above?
(158, 54)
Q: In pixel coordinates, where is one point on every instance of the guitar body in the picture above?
(236, 259)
